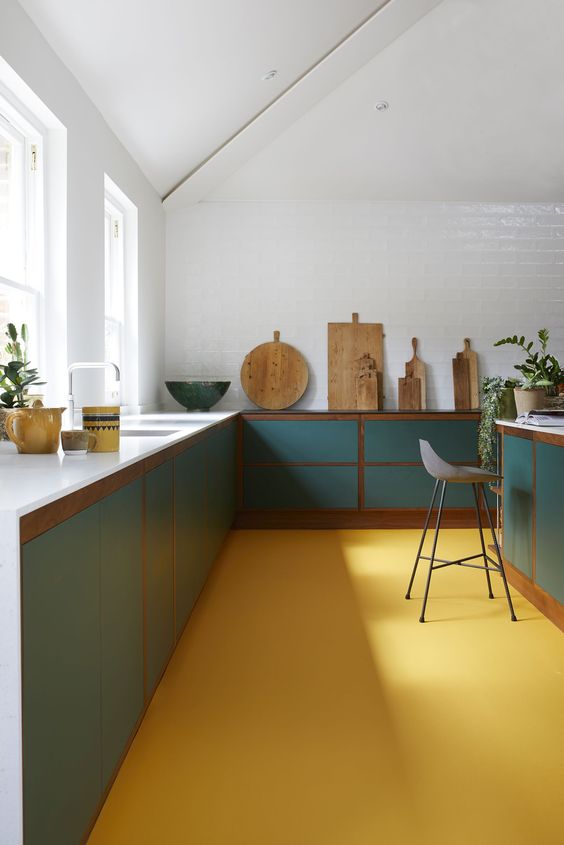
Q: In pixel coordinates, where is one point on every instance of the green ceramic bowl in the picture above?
(197, 395)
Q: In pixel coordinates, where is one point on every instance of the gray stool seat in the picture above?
(442, 471)
(447, 473)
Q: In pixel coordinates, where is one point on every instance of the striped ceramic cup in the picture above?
(103, 420)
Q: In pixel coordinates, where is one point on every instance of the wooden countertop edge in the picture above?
(44, 518)
(529, 434)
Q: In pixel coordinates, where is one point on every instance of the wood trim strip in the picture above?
(442, 415)
(543, 601)
(43, 519)
(352, 518)
(551, 439)
(525, 433)
(361, 464)
(239, 461)
(301, 464)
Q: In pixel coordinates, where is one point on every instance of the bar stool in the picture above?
(447, 473)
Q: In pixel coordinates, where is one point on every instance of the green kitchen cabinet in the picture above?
(518, 502)
(409, 487)
(121, 618)
(221, 486)
(191, 545)
(316, 441)
(398, 440)
(549, 509)
(301, 487)
(62, 743)
(159, 561)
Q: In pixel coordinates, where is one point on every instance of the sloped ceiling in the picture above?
(476, 94)
(175, 79)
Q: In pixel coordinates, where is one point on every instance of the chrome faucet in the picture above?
(86, 365)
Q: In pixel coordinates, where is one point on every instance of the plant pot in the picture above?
(529, 400)
(507, 408)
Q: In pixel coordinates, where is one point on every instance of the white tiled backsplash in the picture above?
(437, 271)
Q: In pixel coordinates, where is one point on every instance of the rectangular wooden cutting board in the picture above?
(355, 366)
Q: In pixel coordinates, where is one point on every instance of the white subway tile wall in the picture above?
(437, 271)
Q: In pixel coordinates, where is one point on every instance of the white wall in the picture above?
(92, 150)
(439, 271)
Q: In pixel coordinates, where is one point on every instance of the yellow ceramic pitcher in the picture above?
(35, 431)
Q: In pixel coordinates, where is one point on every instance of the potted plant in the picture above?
(17, 376)
(540, 371)
(498, 402)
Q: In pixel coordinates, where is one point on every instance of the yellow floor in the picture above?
(305, 705)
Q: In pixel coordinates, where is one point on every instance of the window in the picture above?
(120, 295)
(114, 292)
(21, 223)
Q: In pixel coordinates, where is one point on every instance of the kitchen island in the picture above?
(532, 460)
(103, 557)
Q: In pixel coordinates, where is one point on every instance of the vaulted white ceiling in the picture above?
(175, 79)
(476, 93)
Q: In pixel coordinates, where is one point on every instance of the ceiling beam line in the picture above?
(276, 99)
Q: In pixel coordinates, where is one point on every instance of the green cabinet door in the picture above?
(121, 637)
(398, 440)
(190, 530)
(518, 502)
(221, 486)
(409, 487)
(283, 441)
(299, 487)
(61, 681)
(159, 564)
(550, 508)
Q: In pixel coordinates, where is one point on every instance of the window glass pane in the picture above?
(113, 340)
(18, 307)
(12, 217)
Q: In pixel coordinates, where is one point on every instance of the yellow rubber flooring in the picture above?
(305, 705)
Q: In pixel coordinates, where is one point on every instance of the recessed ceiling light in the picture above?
(270, 75)
(381, 105)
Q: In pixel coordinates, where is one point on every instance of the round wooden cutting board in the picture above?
(274, 375)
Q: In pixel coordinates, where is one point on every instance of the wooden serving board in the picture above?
(409, 394)
(355, 366)
(465, 378)
(415, 369)
(274, 375)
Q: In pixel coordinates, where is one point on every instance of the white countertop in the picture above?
(542, 429)
(28, 482)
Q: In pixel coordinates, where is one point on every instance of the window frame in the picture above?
(16, 121)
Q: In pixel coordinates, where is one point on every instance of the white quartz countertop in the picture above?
(541, 429)
(28, 482)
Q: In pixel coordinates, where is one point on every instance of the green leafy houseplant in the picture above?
(17, 376)
(540, 369)
(492, 394)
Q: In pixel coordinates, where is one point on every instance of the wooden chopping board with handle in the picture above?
(414, 369)
(465, 378)
(274, 375)
(355, 366)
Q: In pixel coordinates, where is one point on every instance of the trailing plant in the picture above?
(17, 376)
(492, 390)
(540, 368)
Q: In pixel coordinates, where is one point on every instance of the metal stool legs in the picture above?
(499, 558)
(484, 555)
(432, 558)
(438, 563)
(420, 549)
